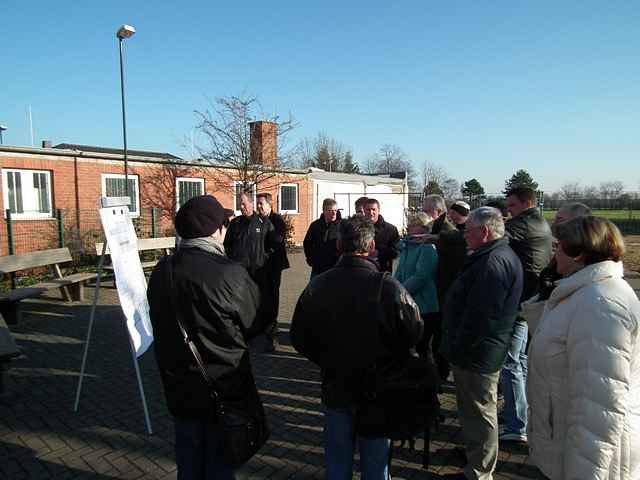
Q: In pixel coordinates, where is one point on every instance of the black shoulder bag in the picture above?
(242, 423)
(399, 397)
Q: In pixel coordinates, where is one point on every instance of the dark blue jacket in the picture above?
(481, 308)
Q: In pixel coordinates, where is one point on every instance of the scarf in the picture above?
(208, 244)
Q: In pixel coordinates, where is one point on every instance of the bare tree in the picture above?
(611, 190)
(589, 192)
(327, 153)
(225, 125)
(391, 158)
(571, 191)
(370, 164)
(433, 175)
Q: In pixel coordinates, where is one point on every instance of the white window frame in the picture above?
(189, 180)
(136, 182)
(297, 209)
(235, 195)
(27, 214)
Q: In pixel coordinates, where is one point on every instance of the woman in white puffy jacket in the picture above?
(584, 361)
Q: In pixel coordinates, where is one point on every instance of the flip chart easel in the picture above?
(130, 283)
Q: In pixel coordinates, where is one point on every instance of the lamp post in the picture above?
(2, 129)
(124, 32)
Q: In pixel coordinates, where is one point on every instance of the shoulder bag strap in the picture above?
(375, 293)
(192, 346)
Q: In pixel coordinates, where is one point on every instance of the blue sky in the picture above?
(481, 88)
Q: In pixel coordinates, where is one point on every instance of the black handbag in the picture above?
(399, 396)
(242, 422)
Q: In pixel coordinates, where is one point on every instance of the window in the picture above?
(187, 188)
(113, 185)
(240, 190)
(289, 198)
(27, 193)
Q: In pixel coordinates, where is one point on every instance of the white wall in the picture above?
(392, 205)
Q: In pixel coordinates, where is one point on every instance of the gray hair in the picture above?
(328, 203)
(436, 201)
(576, 209)
(489, 216)
(356, 234)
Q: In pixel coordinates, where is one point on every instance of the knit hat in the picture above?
(200, 217)
(461, 207)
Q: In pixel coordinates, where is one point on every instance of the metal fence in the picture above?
(77, 230)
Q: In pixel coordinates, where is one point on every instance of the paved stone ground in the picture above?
(41, 437)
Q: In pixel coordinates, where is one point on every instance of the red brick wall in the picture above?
(264, 143)
(77, 186)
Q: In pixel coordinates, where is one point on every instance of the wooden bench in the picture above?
(145, 244)
(8, 350)
(71, 286)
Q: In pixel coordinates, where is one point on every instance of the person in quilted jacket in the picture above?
(584, 360)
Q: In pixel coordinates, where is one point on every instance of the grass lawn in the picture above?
(632, 258)
(610, 214)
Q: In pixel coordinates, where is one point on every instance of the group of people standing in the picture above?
(495, 296)
(509, 303)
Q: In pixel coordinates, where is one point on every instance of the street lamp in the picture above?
(2, 129)
(125, 31)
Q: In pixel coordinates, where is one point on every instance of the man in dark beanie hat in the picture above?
(216, 302)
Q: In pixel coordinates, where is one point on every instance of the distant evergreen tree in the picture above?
(521, 177)
(473, 192)
(472, 188)
(432, 188)
(348, 166)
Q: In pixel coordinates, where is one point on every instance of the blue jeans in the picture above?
(513, 380)
(199, 452)
(339, 445)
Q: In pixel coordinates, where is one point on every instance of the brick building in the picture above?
(37, 182)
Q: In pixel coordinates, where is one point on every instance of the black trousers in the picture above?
(432, 340)
(268, 281)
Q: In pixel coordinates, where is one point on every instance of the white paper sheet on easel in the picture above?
(130, 280)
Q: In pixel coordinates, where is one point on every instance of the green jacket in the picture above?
(416, 272)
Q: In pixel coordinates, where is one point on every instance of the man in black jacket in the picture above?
(549, 275)
(387, 237)
(479, 314)
(276, 263)
(333, 326)
(218, 302)
(251, 241)
(530, 238)
(321, 241)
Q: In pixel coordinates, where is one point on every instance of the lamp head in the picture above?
(125, 31)
(2, 128)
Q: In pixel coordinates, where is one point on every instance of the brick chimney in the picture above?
(264, 143)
